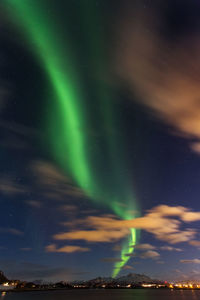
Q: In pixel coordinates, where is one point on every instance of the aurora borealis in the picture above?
(99, 127)
(68, 121)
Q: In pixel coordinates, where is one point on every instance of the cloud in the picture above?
(34, 203)
(11, 231)
(150, 254)
(195, 146)
(68, 208)
(93, 235)
(188, 261)
(46, 181)
(127, 267)
(131, 254)
(169, 248)
(17, 136)
(9, 186)
(52, 182)
(117, 248)
(66, 249)
(163, 221)
(18, 129)
(160, 262)
(195, 272)
(195, 243)
(89, 211)
(144, 247)
(190, 216)
(112, 260)
(177, 271)
(162, 71)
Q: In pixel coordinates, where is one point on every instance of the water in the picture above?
(105, 295)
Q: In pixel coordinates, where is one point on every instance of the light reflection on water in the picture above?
(105, 295)
(3, 294)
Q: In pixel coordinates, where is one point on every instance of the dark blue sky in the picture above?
(152, 68)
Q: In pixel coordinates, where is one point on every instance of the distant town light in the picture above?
(6, 284)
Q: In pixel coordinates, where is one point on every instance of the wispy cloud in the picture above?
(34, 203)
(66, 249)
(52, 183)
(144, 247)
(117, 248)
(9, 186)
(26, 249)
(68, 208)
(195, 243)
(11, 231)
(18, 129)
(127, 267)
(169, 248)
(164, 77)
(189, 261)
(45, 181)
(17, 136)
(150, 254)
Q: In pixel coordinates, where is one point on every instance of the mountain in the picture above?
(3, 277)
(134, 278)
(131, 278)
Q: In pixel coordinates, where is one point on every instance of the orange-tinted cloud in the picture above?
(117, 248)
(150, 254)
(189, 261)
(127, 267)
(169, 248)
(98, 235)
(163, 75)
(144, 247)
(66, 249)
(195, 243)
(163, 222)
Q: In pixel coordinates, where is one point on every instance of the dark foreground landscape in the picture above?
(106, 295)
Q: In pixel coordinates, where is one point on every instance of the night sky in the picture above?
(100, 138)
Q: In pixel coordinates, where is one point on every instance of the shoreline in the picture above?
(87, 288)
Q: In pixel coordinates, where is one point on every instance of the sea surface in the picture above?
(105, 295)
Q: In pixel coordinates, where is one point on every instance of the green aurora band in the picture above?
(68, 118)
